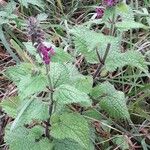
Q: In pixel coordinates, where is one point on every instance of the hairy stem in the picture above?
(48, 124)
(102, 62)
(112, 29)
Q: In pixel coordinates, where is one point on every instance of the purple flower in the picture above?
(99, 12)
(110, 3)
(47, 51)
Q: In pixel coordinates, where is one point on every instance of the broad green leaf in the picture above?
(66, 94)
(16, 73)
(121, 141)
(42, 16)
(111, 100)
(61, 56)
(19, 50)
(71, 126)
(84, 84)
(27, 139)
(131, 58)
(10, 106)
(74, 74)
(86, 42)
(25, 3)
(81, 47)
(125, 12)
(37, 110)
(93, 113)
(67, 144)
(127, 25)
(32, 51)
(6, 44)
(32, 84)
(115, 105)
(30, 48)
(94, 39)
(59, 74)
(26, 111)
(122, 7)
(10, 7)
(108, 14)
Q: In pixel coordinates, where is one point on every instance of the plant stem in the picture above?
(48, 124)
(102, 62)
(112, 30)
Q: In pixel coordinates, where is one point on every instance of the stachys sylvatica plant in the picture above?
(57, 106)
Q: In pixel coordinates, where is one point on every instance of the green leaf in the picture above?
(71, 126)
(66, 94)
(31, 84)
(121, 141)
(74, 74)
(26, 111)
(59, 74)
(131, 58)
(10, 106)
(86, 42)
(125, 12)
(18, 50)
(93, 113)
(61, 56)
(37, 110)
(122, 7)
(127, 25)
(6, 44)
(25, 3)
(42, 16)
(25, 139)
(111, 100)
(67, 144)
(81, 47)
(32, 51)
(16, 73)
(108, 14)
(84, 84)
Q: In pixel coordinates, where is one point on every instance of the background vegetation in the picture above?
(116, 88)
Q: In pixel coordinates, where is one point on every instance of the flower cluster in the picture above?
(110, 3)
(45, 49)
(99, 12)
(106, 3)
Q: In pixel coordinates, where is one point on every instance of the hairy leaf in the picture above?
(87, 41)
(111, 100)
(31, 84)
(71, 126)
(74, 74)
(66, 94)
(33, 2)
(59, 74)
(25, 139)
(121, 141)
(125, 12)
(67, 144)
(61, 56)
(10, 105)
(131, 58)
(37, 110)
(16, 73)
(127, 25)
(84, 84)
